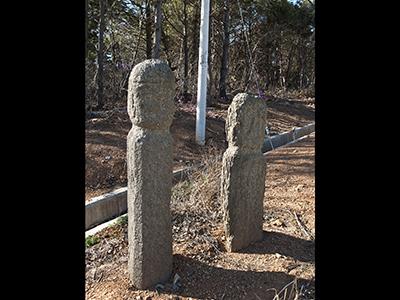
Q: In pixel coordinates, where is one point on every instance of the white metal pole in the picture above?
(202, 71)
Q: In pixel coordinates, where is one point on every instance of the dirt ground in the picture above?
(106, 138)
(285, 257)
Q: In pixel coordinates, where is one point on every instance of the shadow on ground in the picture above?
(284, 244)
(204, 281)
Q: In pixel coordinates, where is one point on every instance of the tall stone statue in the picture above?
(149, 158)
(243, 172)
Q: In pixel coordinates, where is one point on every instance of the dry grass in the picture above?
(292, 291)
(196, 209)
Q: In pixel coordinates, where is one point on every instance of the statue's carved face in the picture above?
(246, 122)
(151, 95)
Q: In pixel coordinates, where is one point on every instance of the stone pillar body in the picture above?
(243, 172)
(149, 165)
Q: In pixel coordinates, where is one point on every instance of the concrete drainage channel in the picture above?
(287, 137)
(114, 204)
(103, 210)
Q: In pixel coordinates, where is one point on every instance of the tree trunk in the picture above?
(248, 62)
(124, 84)
(86, 27)
(158, 24)
(210, 75)
(301, 76)
(185, 51)
(225, 53)
(87, 102)
(166, 43)
(100, 56)
(291, 54)
(302, 61)
(195, 44)
(148, 29)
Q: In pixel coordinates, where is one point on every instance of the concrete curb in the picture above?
(100, 227)
(111, 205)
(105, 207)
(287, 137)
